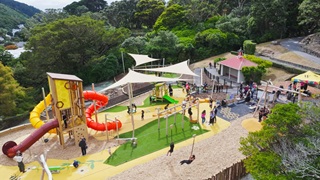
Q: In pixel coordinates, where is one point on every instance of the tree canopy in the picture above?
(287, 147)
(69, 46)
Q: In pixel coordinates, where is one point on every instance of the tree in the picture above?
(148, 11)
(287, 147)
(268, 19)
(163, 45)
(5, 57)
(121, 14)
(69, 46)
(309, 15)
(253, 73)
(173, 16)
(9, 91)
(249, 47)
(91, 5)
(136, 45)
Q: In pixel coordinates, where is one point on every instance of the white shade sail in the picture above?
(180, 68)
(142, 59)
(135, 77)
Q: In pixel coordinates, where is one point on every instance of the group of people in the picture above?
(213, 115)
(246, 92)
(133, 107)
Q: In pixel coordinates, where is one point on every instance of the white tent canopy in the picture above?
(135, 77)
(180, 68)
(142, 59)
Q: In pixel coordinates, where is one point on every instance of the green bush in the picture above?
(219, 59)
(249, 47)
(259, 61)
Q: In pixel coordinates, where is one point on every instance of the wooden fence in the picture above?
(235, 172)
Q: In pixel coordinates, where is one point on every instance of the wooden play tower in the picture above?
(68, 106)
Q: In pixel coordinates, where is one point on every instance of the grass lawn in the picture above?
(150, 139)
(146, 103)
(170, 75)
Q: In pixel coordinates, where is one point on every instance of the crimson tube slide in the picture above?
(101, 100)
(10, 148)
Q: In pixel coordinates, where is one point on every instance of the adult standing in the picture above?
(170, 90)
(211, 117)
(215, 110)
(19, 160)
(190, 112)
(83, 146)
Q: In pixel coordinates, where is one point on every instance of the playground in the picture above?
(100, 148)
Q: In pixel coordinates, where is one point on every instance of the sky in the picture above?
(50, 4)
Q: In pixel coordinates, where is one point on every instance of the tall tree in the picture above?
(9, 91)
(148, 11)
(171, 17)
(164, 45)
(69, 45)
(121, 14)
(268, 19)
(91, 5)
(309, 15)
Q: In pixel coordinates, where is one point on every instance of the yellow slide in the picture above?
(35, 120)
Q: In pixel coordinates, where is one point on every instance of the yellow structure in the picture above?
(160, 89)
(68, 106)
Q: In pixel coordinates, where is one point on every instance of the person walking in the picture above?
(203, 116)
(142, 114)
(19, 160)
(83, 146)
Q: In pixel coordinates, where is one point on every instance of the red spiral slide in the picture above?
(101, 100)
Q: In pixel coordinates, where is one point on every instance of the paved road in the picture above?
(292, 44)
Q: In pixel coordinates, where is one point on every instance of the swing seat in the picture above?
(193, 121)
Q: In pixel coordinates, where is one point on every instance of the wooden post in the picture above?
(45, 104)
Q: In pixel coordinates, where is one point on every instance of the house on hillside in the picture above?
(232, 67)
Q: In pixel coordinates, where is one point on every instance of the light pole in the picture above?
(194, 137)
(171, 126)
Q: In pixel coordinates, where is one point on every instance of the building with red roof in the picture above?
(232, 67)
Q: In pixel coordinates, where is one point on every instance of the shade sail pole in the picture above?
(130, 92)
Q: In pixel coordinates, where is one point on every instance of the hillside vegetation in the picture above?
(9, 18)
(21, 7)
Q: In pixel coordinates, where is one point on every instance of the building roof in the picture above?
(237, 62)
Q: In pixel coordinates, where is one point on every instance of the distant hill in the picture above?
(9, 18)
(21, 7)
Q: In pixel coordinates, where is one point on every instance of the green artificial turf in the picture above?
(150, 139)
(170, 75)
(146, 103)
